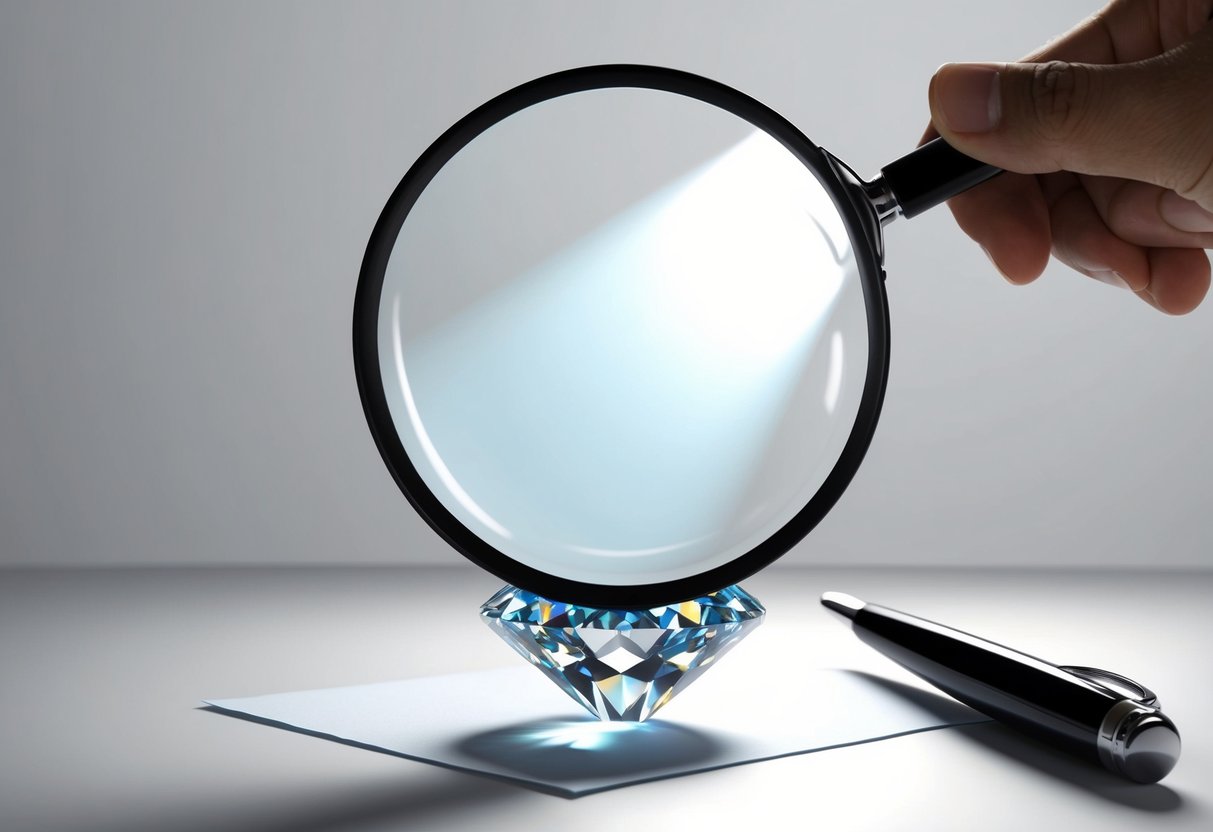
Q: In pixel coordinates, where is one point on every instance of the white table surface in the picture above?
(101, 673)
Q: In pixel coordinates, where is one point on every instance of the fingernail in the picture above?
(994, 263)
(969, 97)
(1111, 278)
(1184, 214)
(1148, 297)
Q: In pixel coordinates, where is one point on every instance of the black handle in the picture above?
(932, 174)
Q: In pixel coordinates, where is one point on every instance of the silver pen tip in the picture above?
(845, 605)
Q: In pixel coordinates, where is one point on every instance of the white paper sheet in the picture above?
(513, 723)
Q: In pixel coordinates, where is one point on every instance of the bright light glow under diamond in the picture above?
(622, 664)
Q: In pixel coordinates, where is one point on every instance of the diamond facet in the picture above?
(622, 664)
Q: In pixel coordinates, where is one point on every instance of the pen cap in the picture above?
(1138, 742)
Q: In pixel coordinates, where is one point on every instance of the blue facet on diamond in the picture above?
(622, 664)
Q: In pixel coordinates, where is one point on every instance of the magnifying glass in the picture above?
(621, 333)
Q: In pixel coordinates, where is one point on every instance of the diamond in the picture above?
(622, 664)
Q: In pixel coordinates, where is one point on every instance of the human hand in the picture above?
(1107, 137)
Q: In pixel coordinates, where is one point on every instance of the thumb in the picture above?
(1149, 121)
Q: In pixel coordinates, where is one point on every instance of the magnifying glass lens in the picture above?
(622, 336)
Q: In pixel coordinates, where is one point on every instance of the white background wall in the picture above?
(186, 191)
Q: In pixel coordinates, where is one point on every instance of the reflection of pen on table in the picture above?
(1099, 715)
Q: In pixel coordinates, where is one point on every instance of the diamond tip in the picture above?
(845, 605)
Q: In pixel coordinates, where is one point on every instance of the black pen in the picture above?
(1096, 714)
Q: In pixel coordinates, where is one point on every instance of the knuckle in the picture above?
(1060, 92)
(1200, 189)
(1193, 157)
(1183, 93)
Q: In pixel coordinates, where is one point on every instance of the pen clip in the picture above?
(1114, 684)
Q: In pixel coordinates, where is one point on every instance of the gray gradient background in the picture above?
(186, 192)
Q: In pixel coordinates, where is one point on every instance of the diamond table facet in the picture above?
(622, 664)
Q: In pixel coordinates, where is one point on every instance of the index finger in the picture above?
(1126, 31)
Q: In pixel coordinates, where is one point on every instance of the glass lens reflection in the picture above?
(642, 376)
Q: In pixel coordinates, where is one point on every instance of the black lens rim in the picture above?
(865, 240)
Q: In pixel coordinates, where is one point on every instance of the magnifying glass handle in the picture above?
(925, 177)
